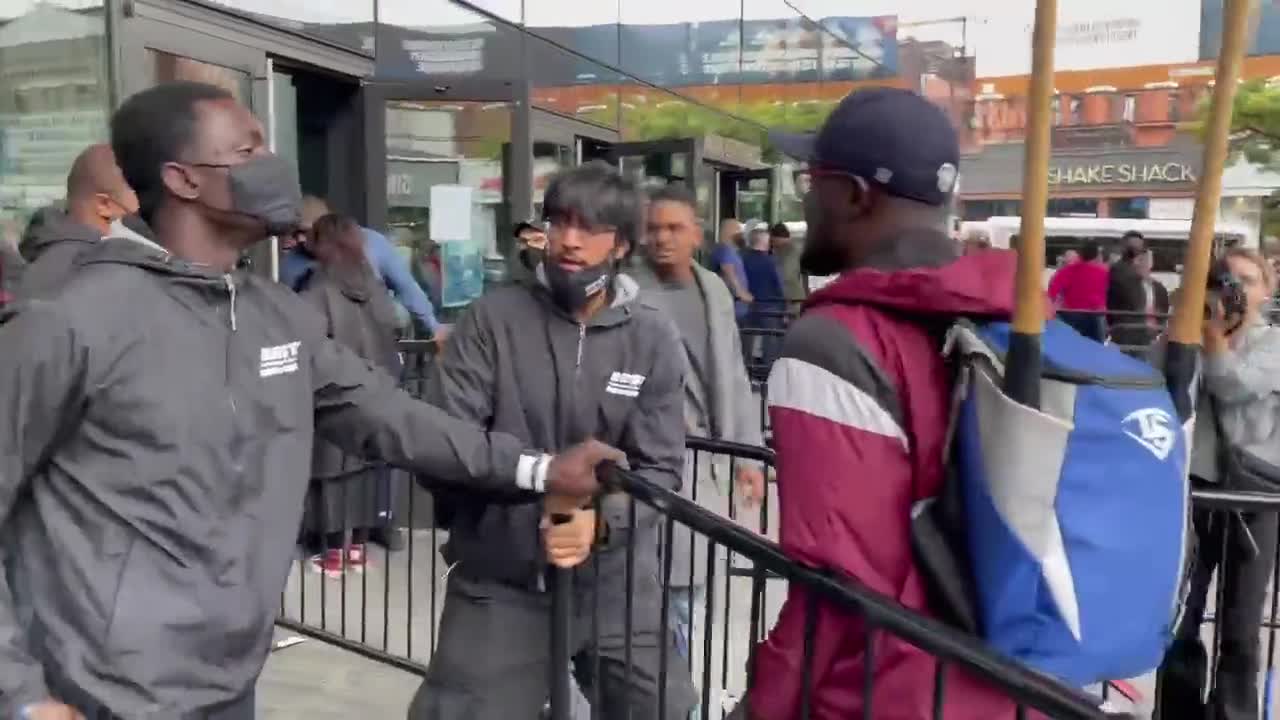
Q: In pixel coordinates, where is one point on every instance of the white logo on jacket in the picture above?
(625, 384)
(1153, 428)
(279, 360)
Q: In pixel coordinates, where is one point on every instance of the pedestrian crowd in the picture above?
(177, 424)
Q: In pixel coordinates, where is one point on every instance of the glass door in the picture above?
(747, 194)
(658, 162)
(448, 194)
(158, 52)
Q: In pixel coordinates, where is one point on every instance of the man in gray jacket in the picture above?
(718, 402)
(570, 354)
(97, 197)
(159, 421)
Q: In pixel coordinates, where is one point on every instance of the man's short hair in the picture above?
(596, 195)
(152, 128)
(1090, 251)
(675, 193)
(779, 230)
(526, 225)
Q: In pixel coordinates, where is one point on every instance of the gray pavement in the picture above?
(317, 681)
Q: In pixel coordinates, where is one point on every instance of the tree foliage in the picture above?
(1255, 137)
(1255, 123)
(748, 123)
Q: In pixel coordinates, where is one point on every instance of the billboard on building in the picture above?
(1265, 42)
(770, 51)
(1092, 34)
(718, 52)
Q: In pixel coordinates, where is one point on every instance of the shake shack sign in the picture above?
(1122, 173)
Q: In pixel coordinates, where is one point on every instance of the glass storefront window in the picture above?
(548, 159)
(984, 209)
(1073, 207)
(448, 157)
(348, 23)
(1135, 208)
(54, 100)
(439, 40)
(166, 67)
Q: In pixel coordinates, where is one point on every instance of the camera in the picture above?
(1226, 289)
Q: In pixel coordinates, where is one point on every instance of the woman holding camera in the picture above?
(1236, 446)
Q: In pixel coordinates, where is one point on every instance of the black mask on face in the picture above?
(571, 291)
(532, 257)
(266, 188)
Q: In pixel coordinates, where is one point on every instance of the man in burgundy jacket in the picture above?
(859, 402)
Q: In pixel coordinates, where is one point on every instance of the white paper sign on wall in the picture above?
(450, 213)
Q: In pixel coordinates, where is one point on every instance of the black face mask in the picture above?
(532, 257)
(266, 188)
(571, 291)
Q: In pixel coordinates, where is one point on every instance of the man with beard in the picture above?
(859, 401)
(573, 353)
(159, 421)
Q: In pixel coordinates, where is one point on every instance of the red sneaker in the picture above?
(330, 563)
(357, 556)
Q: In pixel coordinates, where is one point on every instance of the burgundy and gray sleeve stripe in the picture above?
(823, 371)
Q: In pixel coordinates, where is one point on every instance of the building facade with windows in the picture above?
(1131, 82)
(378, 103)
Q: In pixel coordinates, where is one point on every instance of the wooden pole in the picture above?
(1188, 317)
(1022, 369)
(1186, 325)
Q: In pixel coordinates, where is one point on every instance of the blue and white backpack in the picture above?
(1076, 515)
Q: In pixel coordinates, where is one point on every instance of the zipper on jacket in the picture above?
(231, 288)
(573, 403)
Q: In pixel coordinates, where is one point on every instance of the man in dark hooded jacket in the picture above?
(859, 400)
(159, 423)
(97, 197)
(574, 352)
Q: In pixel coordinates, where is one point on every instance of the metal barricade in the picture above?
(385, 605)
(656, 681)
(1225, 648)
(390, 612)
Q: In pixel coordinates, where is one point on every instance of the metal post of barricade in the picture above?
(561, 627)
(1022, 373)
(1185, 330)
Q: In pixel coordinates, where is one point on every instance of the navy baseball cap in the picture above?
(888, 136)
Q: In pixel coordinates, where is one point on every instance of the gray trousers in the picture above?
(493, 661)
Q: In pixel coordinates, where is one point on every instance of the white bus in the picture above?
(1166, 238)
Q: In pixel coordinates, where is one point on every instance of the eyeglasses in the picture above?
(803, 178)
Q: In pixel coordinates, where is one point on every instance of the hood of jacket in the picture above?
(922, 274)
(54, 229)
(153, 258)
(136, 229)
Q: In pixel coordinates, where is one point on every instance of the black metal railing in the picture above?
(1224, 652)
(950, 651)
(391, 610)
